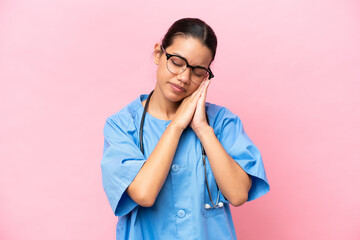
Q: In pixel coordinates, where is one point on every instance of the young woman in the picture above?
(172, 162)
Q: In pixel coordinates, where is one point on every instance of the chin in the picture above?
(173, 97)
(169, 93)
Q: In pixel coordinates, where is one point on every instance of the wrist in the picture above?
(203, 131)
(175, 127)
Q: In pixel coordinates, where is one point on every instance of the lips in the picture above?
(177, 87)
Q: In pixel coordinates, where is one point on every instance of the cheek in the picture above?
(193, 90)
(162, 72)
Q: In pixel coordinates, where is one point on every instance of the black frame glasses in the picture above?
(168, 55)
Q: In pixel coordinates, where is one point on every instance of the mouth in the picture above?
(177, 88)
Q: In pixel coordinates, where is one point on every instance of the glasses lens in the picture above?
(199, 75)
(201, 72)
(176, 65)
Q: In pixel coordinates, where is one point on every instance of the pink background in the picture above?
(289, 69)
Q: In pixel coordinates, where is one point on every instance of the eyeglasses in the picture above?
(177, 64)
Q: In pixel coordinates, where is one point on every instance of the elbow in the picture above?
(146, 201)
(239, 200)
(143, 198)
(242, 196)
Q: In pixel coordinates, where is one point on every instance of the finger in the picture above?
(198, 91)
(206, 78)
(201, 93)
(201, 99)
(205, 88)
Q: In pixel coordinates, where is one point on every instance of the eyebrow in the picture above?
(188, 61)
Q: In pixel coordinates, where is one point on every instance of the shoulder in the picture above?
(127, 117)
(222, 119)
(126, 112)
(217, 113)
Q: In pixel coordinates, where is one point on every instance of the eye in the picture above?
(176, 63)
(200, 72)
(199, 75)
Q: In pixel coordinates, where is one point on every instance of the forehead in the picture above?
(192, 50)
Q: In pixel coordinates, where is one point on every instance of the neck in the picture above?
(160, 107)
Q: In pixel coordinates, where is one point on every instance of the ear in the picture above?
(157, 53)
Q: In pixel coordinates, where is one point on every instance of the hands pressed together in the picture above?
(192, 109)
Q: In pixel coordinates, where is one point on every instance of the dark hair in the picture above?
(192, 27)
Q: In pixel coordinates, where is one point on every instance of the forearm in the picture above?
(151, 177)
(233, 181)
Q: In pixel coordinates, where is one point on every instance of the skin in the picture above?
(184, 109)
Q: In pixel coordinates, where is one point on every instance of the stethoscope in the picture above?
(207, 206)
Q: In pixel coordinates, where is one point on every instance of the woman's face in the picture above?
(176, 87)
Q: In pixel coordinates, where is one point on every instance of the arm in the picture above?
(151, 177)
(232, 180)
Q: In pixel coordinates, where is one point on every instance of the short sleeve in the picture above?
(121, 161)
(239, 146)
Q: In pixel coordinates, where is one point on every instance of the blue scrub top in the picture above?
(178, 212)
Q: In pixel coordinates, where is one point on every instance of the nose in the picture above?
(185, 76)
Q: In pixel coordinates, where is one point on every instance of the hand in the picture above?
(199, 119)
(187, 108)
